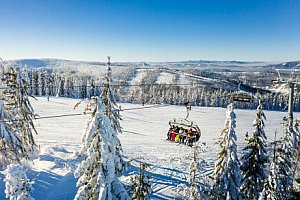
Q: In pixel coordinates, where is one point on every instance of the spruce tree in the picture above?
(17, 104)
(297, 130)
(18, 186)
(26, 115)
(11, 147)
(281, 178)
(271, 188)
(198, 187)
(113, 113)
(97, 174)
(140, 183)
(285, 155)
(109, 100)
(16, 142)
(255, 159)
(227, 171)
(297, 160)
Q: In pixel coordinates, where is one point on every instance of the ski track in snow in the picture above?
(139, 76)
(144, 133)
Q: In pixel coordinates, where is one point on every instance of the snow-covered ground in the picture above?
(165, 78)
(145, 129)
(140, 75)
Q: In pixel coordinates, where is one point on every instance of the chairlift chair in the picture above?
(185, 124)
(242, 97)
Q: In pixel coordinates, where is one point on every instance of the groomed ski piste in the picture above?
(144, 137)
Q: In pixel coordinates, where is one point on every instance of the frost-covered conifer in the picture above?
(271, 188)
(226, 173)
(297, 129)
(281, 178)
(91, 88)
(198, 184)
(41, 82)
(108, 98)
(18, 186)
(17, 104)
(27, 79)
(140, 184)
(57, 84)
(16, 142)
(34, 82)
(11, 148)
(97, 175)
(255, 159)
(26, 115)
(113, 113)
(297, 161)
(285, 157)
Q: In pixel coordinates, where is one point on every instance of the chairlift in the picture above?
(184, 130)
(242, 96)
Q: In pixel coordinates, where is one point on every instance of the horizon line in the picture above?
(144, 61)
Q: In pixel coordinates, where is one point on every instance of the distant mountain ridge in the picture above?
(49, 62)
(210, 74)
(210, 64)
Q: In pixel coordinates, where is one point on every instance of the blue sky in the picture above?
(151, 30)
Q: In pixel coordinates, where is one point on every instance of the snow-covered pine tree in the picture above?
(255, 159)
(18, 186)
(113, 113)
(26, 115)
(11, 148)
(57, 84)
(140, 183)
(271, 188)
(90, 88)
(67, 86)
(108, 98)
(285, 157)
(47, 85)
(19, 115)
(227, 177)
(297, 129)
(17, 104)
(280, 182)
(97, 174)
(207, 99)
(34, 82)
(297, 162)
(26, 76)
(283, 164)
(198, 184)
(41, 82)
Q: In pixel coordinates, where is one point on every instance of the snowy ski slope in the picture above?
(144, 136)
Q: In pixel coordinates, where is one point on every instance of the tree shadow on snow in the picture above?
(49, 185)
(161, 184)
(2, 187)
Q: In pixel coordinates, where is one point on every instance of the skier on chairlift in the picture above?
(247, 136)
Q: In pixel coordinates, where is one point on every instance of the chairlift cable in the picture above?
(78, 114)
(146, 107)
